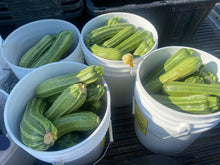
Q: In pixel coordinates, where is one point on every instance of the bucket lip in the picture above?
(77, 146)
(112, 63)
(35, 23)
(138, 80)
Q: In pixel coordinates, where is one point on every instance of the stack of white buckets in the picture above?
(160, 129)
(13, 154)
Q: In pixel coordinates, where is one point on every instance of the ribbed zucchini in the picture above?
(67, 102)
(132, 42)
(94, 93)
(178, 88)
(50, 87)
(214, 104)
(196, 104)
(58, 50)
(78, 121)
(95, 107)
(183, 69)
(113, 20)
(195, 79)
(176, 58)
(145, 46)
(52, 98)
(36, 131)
(68, 140)
(103, 33)
(119, 37)
(36, 51)
(107, 53)
(209, 77)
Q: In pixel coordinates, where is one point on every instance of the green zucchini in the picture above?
(95, 93)
(107, 53)
(208, 77)
(78, 121)
(194, 79)
(176, 58)
(103, 33)
(67, 102)
(68, 140)
(36, 51)
(113, 20)
(178, 88)
(57, 51)
(195, 104)
(36, 131)
(50, 87)
(132, 42)
(183, 69)
(95, 107)
(119, 37)
(145, 46)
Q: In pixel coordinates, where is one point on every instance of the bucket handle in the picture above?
(110, 141)
(58, 163)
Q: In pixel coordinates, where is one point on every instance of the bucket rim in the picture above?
(175, 112)
(51, 20)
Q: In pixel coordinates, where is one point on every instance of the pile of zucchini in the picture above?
(51, 48)
(117, 38)
(65, 110)
(182, 83)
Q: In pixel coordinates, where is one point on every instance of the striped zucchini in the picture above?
(120, 36)
(57, 51)
(52, 98)
(183, 69)
(113, 20)
(145, 46)
(175, 59)
(214, 104)
(67, 102)
(195, 79)
(68, 140)
(106, 53)
(36, 131)
(78, 121)
(132, 42)
(36, 51)
(94, 93)
(99, 35)
(196, 104)
(178, 88)
(208, 77)
(50, 87)
(95, 107)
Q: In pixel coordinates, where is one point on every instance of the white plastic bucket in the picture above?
(14, 154)
(119, 77)
(159, 128)
(24, 37)
(85, 152)
(4, 69)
